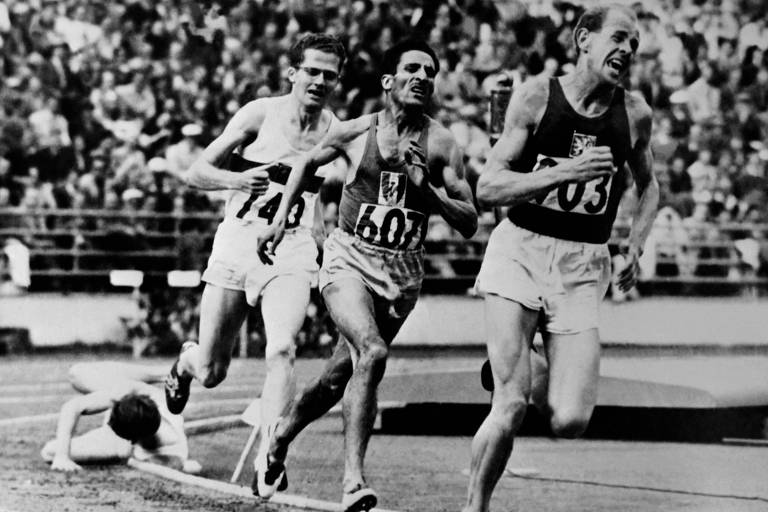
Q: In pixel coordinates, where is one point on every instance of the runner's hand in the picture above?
(269, 240)
(254, 180)
(627, 277)
(595, 162)
(418, 171)
(64, 464)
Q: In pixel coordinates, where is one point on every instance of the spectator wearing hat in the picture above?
(181, 155)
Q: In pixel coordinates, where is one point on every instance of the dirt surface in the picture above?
(411, 473)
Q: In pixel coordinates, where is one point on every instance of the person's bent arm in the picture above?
(70, 414)
(640, 162)
(95, 376)
(303, 169)
(205, 173)
(499, 185)
(453, 201)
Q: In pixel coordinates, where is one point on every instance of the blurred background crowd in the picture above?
(105, 103)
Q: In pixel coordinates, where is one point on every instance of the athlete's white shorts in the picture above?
(392, 275)
(234, 263)
(563, 279)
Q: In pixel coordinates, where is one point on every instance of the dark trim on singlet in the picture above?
(277, 174)
(554, 138)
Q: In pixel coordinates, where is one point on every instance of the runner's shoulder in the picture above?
(441, 139)
(529, 100)
(346, 131)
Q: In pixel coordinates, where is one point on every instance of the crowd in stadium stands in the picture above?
(105, 103)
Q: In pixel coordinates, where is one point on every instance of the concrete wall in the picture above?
(56, 319)
(448, 320)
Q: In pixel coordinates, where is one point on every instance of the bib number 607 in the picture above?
(390, 227)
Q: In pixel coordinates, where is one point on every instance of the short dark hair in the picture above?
(321, 42)
(134, 417)
(392, 55)
(593, 18)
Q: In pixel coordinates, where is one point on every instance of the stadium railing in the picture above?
(76, 249)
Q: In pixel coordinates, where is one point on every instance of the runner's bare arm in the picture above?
(499, 185)
(640, 163)
(94, 376)
(332, 146)
(452, 199)
(205, 173)
(92, 403)
(318, 223)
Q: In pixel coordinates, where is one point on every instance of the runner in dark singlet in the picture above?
(560, 168)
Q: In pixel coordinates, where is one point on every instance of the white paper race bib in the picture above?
(392, 227)
(589, 198)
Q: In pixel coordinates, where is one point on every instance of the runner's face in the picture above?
(315, 78)
(613, 48)
(414, 80)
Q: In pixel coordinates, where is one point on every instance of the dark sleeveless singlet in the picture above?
(381, 205)
(582, 212)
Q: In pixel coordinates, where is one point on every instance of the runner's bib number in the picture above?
(589, 197)
(391, 227)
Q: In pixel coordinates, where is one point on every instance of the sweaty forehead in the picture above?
(416, 57)
(318, 59)
(619, 20)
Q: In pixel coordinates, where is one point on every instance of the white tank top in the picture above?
(271, 145)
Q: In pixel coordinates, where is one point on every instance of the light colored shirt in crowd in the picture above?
(181, 155)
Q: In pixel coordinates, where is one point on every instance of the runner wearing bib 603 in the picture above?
(560, 166)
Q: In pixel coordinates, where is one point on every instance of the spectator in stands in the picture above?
(704, 96)
(181, 155)
(138, 71)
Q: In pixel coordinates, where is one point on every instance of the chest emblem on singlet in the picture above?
(392, 186)
(581, 142)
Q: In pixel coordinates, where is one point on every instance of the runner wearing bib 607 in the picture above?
(259, 145)
(404, 166)
(559, 166)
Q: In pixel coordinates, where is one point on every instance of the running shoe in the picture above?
(269, 476)
(268, 479)
(177, 386)
(360, 500)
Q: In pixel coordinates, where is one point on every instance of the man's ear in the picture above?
(386, 82)
(292, 74)
(583, 40)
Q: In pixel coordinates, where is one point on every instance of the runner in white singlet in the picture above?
(252, 158)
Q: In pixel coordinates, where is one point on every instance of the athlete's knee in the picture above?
(279, 352)
(569, 423)
(509, 411)
(373, 357)
(211, 375)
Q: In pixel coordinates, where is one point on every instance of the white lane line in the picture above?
(291, 500)
(52, 416)
(26, 398)
(28, 419)
(20, 388)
